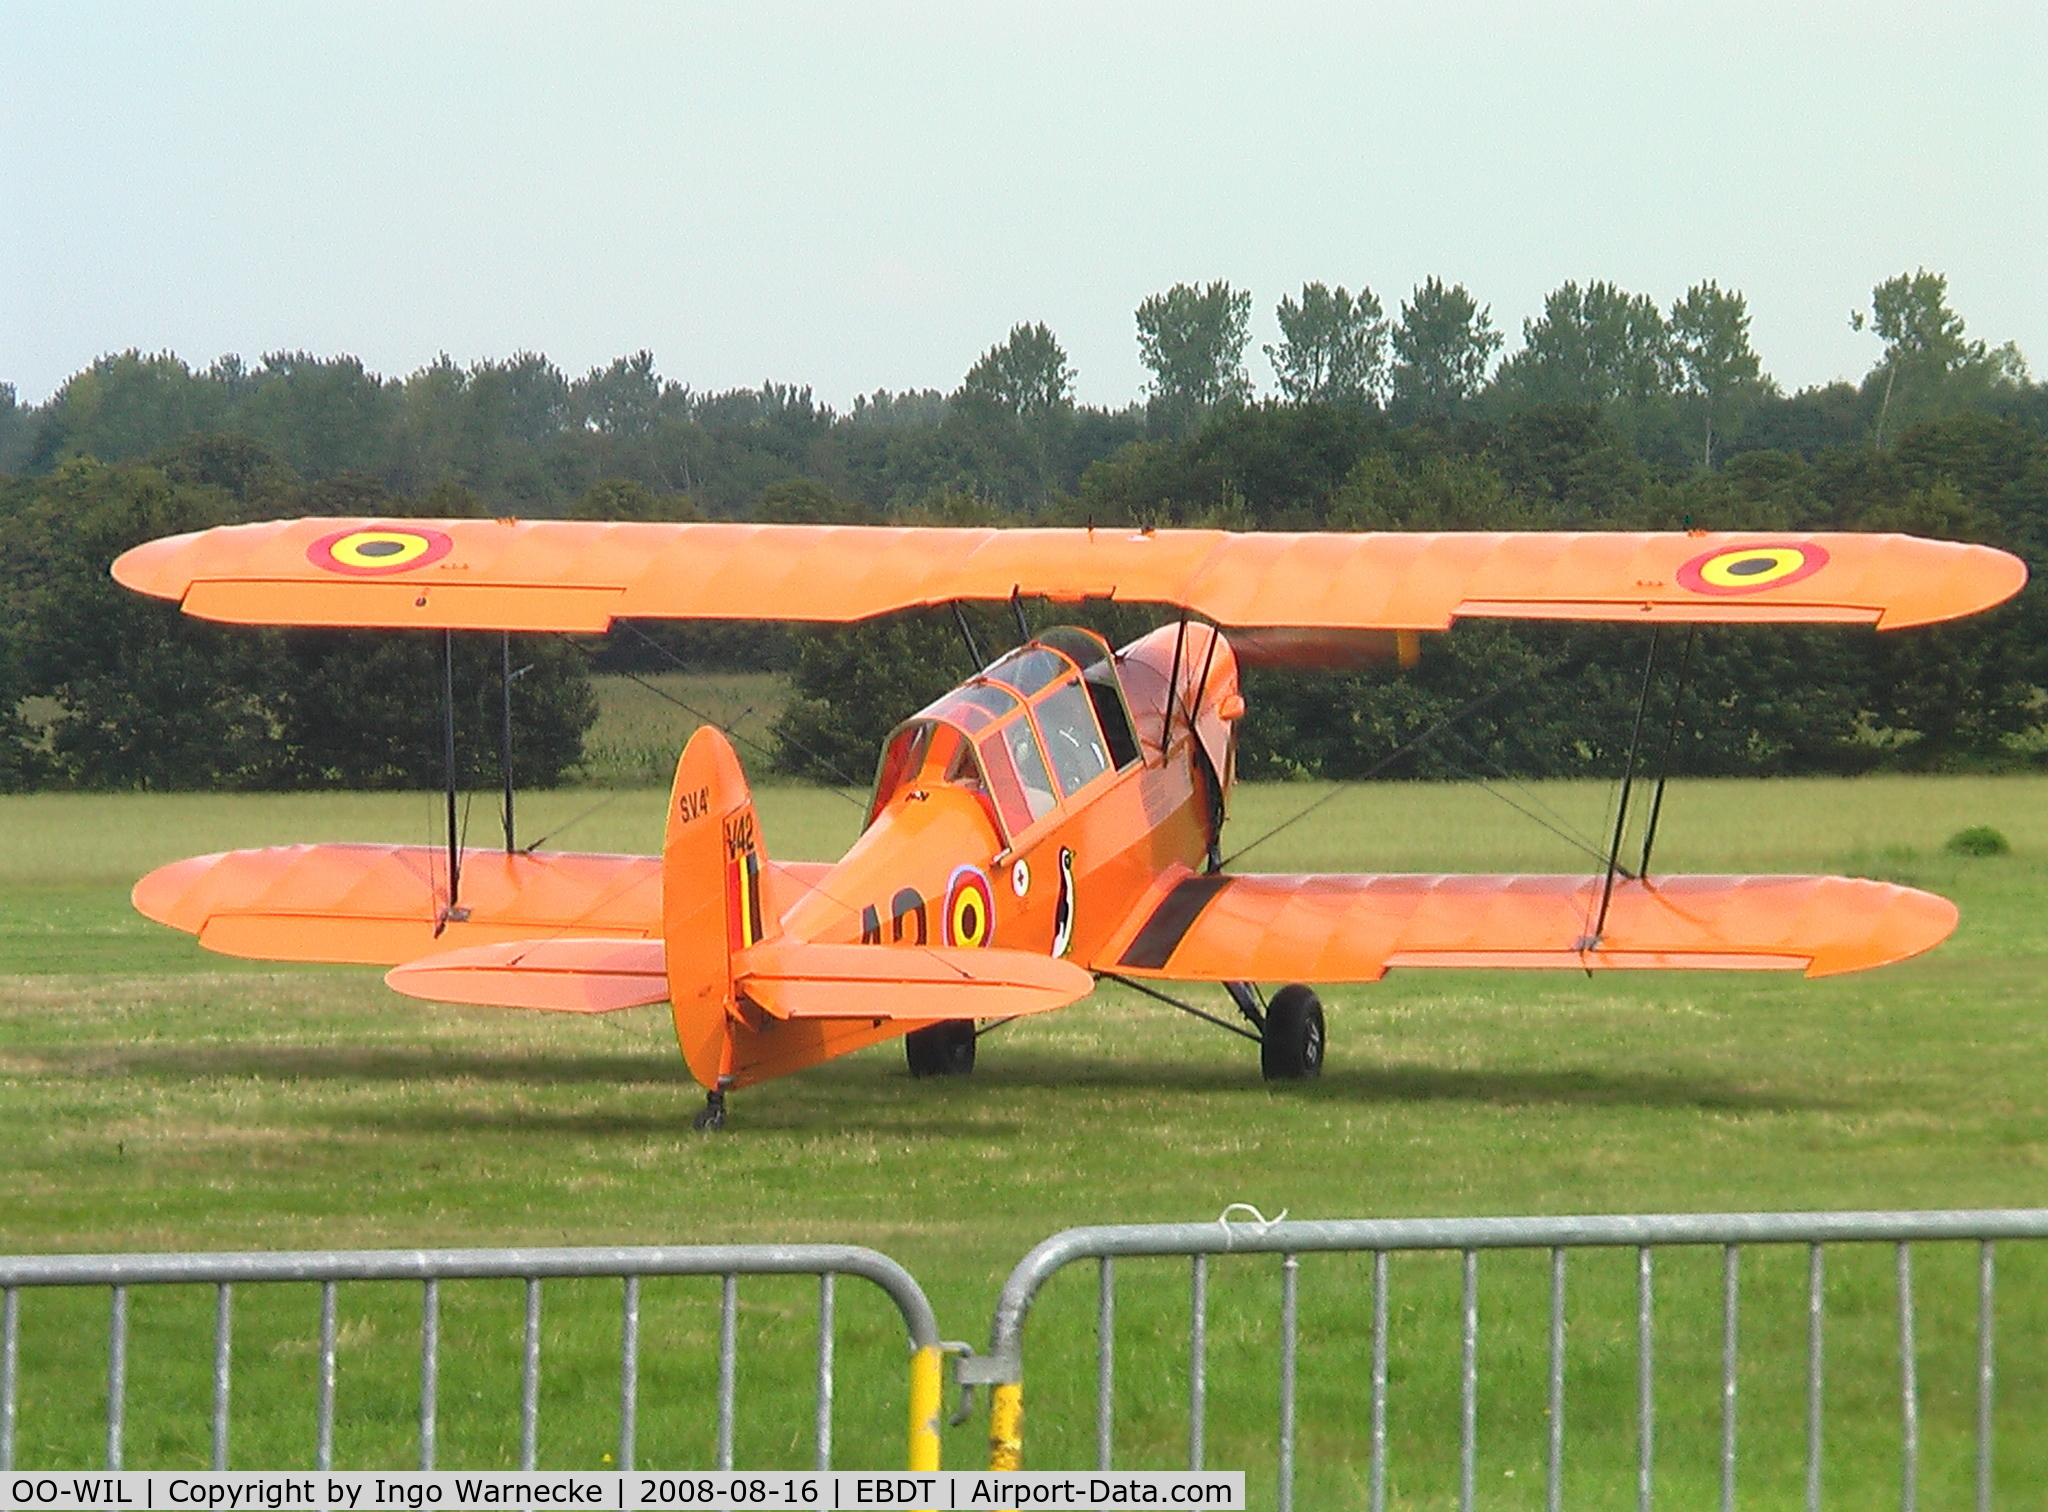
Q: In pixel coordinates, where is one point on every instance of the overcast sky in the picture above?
(868, 196)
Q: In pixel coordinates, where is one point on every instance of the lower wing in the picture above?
(379, 905)
(1313, 928)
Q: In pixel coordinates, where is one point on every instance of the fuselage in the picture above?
(1032, 806)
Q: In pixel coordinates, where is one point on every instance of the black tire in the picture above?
(1292, 1047)
(945, 1049)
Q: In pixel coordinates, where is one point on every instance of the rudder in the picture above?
(713, 866)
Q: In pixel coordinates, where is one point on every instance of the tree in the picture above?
(1027, 376)
(1719, 376)
(125, 406)
(323, 416)
(622, 399)
(1593, 345)
(628, 499)
(1929, 367)
(1442, 349)
(1007, 426)
(1334, 349)
(1193, 340)
(853, 684)
(148, 697)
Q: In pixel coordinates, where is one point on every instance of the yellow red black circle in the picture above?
(970, 916)
(1752, 569)
(374, 550)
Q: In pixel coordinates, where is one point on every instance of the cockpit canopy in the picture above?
(1030, 732)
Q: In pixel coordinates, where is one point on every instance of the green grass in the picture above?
(152, 1096)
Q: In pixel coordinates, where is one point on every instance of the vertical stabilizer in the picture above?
(713, 868)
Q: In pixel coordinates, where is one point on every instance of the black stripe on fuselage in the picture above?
(1170, 923)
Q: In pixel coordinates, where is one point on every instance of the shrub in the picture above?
(1978, 840)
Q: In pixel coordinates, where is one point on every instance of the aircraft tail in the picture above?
(713, 904)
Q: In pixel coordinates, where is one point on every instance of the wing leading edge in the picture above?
(379, 905)
(567, 575)
(1312, 928)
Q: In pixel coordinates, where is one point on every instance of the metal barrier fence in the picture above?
(1003, 1367)
(431, 1267)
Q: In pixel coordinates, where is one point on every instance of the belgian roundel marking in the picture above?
(970, 914)
(374, 550)
(1751, 569)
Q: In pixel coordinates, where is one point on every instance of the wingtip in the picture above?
(1909, 923)
(168, 895)
(153, 567)
(1978, 579)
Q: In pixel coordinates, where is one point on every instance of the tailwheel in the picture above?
(1291, 1045)
(711, 1117)
(943, 1049)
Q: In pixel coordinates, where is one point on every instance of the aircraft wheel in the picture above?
(945, 1049)
(1292, 1047)
(711, 1117)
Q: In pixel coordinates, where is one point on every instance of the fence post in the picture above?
(1006, 1426)
(927, 1381)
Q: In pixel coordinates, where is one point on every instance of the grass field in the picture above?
(152, 1096)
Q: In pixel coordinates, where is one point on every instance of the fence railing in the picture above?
(1003, 1367)
(330, 1268)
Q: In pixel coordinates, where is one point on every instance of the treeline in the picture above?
(1614, 414)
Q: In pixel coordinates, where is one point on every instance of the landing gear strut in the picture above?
(1288, 1028)
(944, 1049)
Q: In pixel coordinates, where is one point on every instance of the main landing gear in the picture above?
(1291, 1044)
(1288, 1028)
(944, 1049)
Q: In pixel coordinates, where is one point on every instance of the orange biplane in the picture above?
(1054, 819)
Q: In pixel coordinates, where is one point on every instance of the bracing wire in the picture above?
(756, 746)
(1469, 707)
(1562, 827)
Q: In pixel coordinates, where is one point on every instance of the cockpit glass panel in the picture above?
(1003, 782)
(1067, 721)
(1091, 653)
(1031, 773)
(1031, 669)
(962, 769)
(1084, 648)
(900, 762)
(973, 707)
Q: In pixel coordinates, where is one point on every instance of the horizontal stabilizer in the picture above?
(379, 905)
(564, 976)
(1355, 928)
(794, 980)
(575, 575)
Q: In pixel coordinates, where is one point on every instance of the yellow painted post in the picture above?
(1006, 1427)
(927, 1379)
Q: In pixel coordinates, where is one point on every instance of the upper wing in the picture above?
(580, 576)
(378, 905)
(1355, 928)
